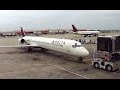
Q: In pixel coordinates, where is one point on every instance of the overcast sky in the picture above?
(59, 19)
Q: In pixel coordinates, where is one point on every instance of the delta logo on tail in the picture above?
(74, 28)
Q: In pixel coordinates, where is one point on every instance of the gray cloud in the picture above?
(59, 19)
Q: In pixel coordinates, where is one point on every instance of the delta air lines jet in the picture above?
(65, 46)
(85, 33)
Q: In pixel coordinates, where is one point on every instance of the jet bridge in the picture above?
(109, 44)
(108, 53)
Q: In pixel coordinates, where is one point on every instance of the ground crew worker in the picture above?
(107, 57)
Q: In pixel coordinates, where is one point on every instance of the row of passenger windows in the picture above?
(58, 42)
(76, 45)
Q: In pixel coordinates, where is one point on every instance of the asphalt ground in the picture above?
(17, 63)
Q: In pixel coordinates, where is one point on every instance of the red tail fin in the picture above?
(74, 28)
(22, 32)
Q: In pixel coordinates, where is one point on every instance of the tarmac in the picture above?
(17, 63)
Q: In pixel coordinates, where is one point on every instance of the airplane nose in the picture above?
(85, 52)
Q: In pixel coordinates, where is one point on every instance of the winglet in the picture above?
(74, 28)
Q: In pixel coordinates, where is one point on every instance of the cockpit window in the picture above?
(76, 45)
(79, 45)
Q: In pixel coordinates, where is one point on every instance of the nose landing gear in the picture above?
(80, 59)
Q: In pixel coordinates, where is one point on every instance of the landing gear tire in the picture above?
(43, 49)
(109, 68)
(29, 49)
(95, 35)
(80, 60)
(96, 65)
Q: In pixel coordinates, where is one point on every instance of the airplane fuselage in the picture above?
(59, 45)
(75, 31)
(88, 32)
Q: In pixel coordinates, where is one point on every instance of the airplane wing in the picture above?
(18, 46)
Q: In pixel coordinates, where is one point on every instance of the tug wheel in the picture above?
(96, 65)
(109, 68)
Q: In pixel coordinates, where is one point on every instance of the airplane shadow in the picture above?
(38, 51)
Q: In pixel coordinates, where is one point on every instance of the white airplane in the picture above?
(85, 33)
(65, 46)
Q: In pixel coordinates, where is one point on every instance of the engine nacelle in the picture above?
(22, 41)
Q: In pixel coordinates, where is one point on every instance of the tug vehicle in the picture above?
(107, 55)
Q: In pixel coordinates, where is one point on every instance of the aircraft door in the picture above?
(74, 49)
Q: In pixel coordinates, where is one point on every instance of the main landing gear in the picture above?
(29, 49)
(80, 59)
(42, 49)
